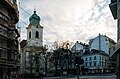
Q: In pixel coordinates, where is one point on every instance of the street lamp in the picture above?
(78, 61)
(67, 46)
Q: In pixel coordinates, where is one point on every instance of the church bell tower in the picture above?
(35, 31)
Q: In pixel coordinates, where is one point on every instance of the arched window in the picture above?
(29, 35)
(37, 34)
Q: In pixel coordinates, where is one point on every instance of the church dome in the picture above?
(34, 19)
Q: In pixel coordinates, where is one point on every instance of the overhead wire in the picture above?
(42, 23)
(43, 38)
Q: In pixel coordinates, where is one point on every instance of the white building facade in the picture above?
(102, 42)
(35, 31)
(31, 49)
(78, 48)
(96, 61)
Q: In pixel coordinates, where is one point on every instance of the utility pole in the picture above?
(79, 61)
(76, 63)
(67, 46)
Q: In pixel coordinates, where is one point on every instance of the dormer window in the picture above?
(37, 34)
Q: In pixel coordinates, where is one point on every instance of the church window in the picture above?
(29, 35)
(37, 26)
(37, 34)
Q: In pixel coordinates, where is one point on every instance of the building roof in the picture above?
(107, 38)
(111, 40)
(34, 19)
(94, 51)
(23, 43)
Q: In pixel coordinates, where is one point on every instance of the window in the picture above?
(37, 26)
(94, 63)
(100, 63)
(105, 63)
(86, 58)
(3, 43)
(90, 63)
(37, 34)
(94, 57)
(90, 58)
(85, 64)
(29, 35)
(100, 57)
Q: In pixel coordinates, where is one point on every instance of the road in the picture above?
(85, 77)
(110, 76)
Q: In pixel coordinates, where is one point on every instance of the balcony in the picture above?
(11, 5)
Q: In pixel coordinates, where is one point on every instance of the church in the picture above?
(32, 48)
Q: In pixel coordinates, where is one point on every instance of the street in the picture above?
(84, 77)
(108, 76)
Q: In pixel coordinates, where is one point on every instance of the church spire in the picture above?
(34, 10)
(34, 19)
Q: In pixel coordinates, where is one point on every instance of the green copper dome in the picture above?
(34, 19)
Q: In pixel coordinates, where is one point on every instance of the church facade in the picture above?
(32, 48)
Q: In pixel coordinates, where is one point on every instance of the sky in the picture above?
(73, 20)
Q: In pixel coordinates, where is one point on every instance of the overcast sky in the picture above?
(70, 19)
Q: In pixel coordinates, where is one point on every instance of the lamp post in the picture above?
(78, 61)
(67, 46)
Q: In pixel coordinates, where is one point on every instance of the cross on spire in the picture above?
(34, 9)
